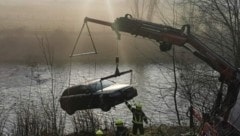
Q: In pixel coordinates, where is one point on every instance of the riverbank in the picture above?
(160, 130)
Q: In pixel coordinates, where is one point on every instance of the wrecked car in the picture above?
(102, 94)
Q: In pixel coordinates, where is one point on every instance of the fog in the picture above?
(52, 14)
(56, 23)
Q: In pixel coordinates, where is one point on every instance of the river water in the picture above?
(153, 82)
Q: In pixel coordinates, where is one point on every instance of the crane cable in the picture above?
(85, 53)
(75, 45)
(117, 72)
(80, 54)
(117, 58)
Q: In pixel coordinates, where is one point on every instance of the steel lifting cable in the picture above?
(76, 42)
(80, 54)
(117, 57)
(75, 45)
(117, 72)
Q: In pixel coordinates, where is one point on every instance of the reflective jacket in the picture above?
(138, 115)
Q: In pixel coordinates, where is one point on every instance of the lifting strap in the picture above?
(75, 45)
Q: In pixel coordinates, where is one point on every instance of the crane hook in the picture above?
(117, 73)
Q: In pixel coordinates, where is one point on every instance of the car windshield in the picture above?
(100, 85)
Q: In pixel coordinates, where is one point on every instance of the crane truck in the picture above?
(228, 107)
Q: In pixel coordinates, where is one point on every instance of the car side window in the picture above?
(100, 85)
(107, 83)
(93, 87)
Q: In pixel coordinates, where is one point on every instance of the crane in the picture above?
(168, 36)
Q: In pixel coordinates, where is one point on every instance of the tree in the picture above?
(218, 22)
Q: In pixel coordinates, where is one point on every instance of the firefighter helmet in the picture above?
(119, 122)
(139, 106)
(99, 133)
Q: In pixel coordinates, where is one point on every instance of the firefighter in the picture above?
(138, 118)
(121, 129)
(99, 133)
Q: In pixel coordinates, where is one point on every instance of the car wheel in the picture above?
(105, 107)
(70, 111)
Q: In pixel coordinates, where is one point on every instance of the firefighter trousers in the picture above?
(137, 127)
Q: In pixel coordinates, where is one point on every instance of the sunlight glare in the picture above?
(87, 5)
(110, 10)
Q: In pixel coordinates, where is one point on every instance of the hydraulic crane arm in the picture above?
(87, 19)
(167, 36)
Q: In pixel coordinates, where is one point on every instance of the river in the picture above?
(19, 82)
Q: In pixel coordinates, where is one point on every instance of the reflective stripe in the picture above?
(140, 121)
(137, 122)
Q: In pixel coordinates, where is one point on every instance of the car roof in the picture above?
(107, 85)
(116, 87)
(91, 81)
(96, 85)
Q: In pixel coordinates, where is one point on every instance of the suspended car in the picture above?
(102, 94)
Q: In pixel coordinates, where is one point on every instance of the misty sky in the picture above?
(22, 20)
(52, 14)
